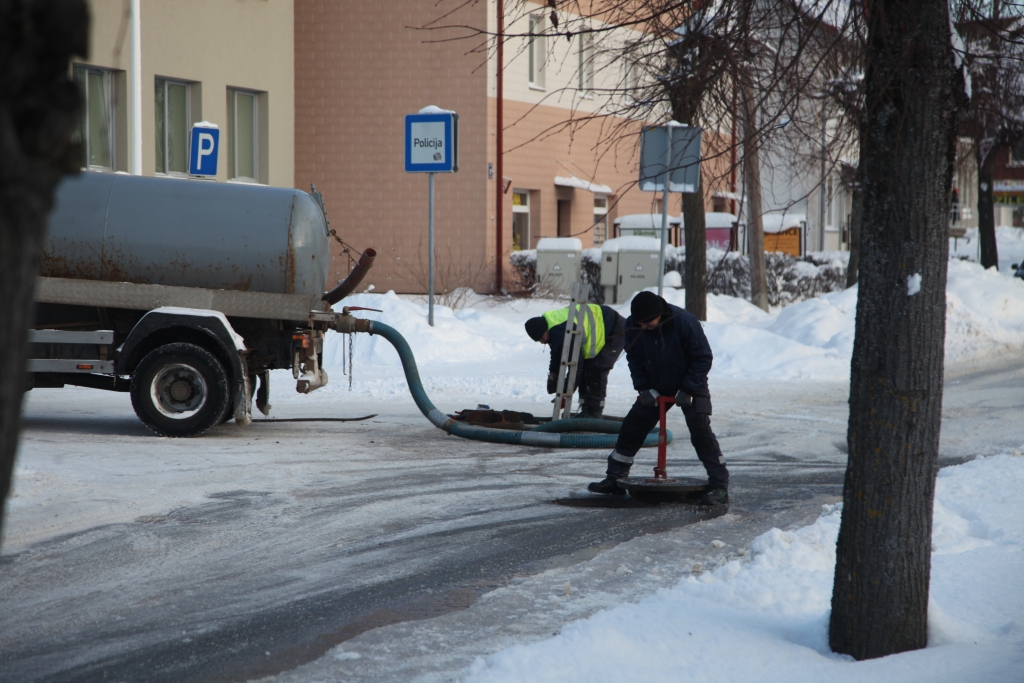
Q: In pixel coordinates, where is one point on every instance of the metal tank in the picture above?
(187, 233)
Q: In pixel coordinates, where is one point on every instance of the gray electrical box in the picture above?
(558, 263)
(628, 265)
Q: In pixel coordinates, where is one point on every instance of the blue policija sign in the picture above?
(205, 144)
(432, 142)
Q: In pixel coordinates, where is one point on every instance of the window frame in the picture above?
(537, 53)
(109, 87)
(233, 135)
(188, 115)
(585, 76)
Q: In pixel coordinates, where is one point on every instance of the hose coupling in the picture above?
(347, 324)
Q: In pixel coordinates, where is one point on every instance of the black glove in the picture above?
(649, 398)
(683, 399)
(552, 383)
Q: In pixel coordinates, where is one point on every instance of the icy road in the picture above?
(250, 552)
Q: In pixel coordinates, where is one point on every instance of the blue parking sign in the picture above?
(205, 143)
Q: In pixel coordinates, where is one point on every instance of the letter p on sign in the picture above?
(202, 158)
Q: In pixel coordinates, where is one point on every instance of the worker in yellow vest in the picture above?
(604, 333)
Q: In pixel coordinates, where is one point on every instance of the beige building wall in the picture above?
(215, 45)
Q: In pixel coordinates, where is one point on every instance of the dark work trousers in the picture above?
(642, 419)
(594, 381)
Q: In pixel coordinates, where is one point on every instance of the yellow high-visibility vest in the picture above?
(593, 326)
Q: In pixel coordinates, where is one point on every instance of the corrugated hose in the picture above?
(554, 434)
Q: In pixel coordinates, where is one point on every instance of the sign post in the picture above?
(431, 146)
(203, 149)
(670, 162)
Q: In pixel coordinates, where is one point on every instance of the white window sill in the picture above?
(541, 88)
(244, 181)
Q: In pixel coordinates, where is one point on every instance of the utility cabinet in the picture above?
(628, 265)
(558, 263)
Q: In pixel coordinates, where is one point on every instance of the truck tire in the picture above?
(180, 390)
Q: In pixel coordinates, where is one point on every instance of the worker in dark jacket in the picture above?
(668, 355)
(603, 337)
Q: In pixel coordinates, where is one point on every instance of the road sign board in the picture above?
(432, 142)
(684, 163)
(205, 144)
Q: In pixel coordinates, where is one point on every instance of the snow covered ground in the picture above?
(756, 610)
(763, 615)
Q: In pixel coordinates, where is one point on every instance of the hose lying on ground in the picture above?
(550, 434)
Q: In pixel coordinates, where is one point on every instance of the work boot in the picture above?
(608, 486)
(591, 412)
(715, 497)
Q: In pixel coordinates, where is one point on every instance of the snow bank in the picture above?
(812, 339)
(984, 311)
(763, 616)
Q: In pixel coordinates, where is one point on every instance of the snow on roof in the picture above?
(573, 181)
(717, 219)
(777, 222)
(631, 243)
(559, 244)
(645, 221)
(727, 195)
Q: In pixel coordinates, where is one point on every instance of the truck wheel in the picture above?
(180, 390)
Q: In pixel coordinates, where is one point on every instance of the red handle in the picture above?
(346, 309)
(664, 402)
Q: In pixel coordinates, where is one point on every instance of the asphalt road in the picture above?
(397, 523)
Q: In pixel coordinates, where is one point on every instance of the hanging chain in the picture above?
(350, 373)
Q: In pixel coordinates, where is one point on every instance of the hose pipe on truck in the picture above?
(554, 434)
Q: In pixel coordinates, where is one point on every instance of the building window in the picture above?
(630, 70)
(1017, 154)
(96, 127)
(586, 63)
(537, 51)
(243, 135)
(600, 219)
(172, 122)
(520, 220)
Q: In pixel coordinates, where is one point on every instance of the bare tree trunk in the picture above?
(752, 183)
(986, 211)
(856, 218)
(696, 252)
(38, 113)
(883, 556)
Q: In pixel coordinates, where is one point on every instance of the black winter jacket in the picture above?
(673, 356)
(556, 337)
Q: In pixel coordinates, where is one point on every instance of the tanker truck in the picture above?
(184, 294)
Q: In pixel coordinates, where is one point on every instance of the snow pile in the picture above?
(466, 335)
(812, 339)
(764, 615)
(984, 311)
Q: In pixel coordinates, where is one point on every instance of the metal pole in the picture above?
(499, 142)
(821, 226)
(430, 254)
(664, 212)
(136, 56)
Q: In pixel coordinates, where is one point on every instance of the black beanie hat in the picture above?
(646, 306)
(536, 327)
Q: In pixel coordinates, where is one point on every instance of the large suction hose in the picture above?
(546, 435)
